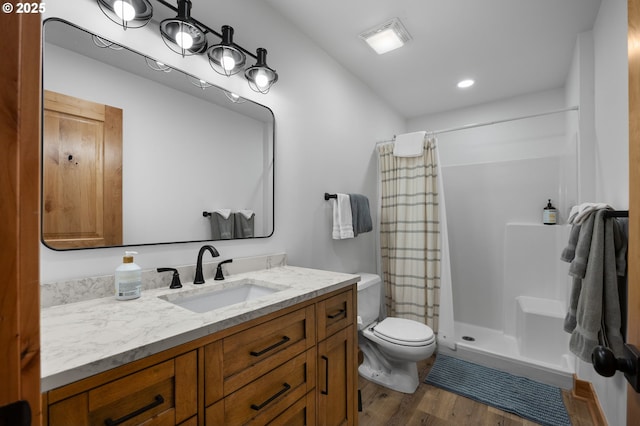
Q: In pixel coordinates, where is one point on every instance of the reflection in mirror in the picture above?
(138, 153)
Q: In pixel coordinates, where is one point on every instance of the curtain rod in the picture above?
(489, 123)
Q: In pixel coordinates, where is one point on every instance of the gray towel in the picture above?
(360, 214)
(597, 314)
(569, 252)
(578, 266)
(221, 228)
(243, 226)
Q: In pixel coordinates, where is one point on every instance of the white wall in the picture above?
(494, 175)
(610, 180)
(327, 123)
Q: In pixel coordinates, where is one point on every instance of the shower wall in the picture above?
(481, 200)
(493, 176)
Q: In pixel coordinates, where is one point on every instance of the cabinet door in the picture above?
(336, 386)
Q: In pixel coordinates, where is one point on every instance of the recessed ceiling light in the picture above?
(386, 37)
(463, 84)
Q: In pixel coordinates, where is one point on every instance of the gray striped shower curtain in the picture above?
(410, 234)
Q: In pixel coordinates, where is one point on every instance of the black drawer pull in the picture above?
(157, 401)
(286, 387)
(326, 377)
(284, 340)
(338, 314)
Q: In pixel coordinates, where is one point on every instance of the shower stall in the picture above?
(509, 289)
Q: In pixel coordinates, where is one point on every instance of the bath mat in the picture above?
(518, 395)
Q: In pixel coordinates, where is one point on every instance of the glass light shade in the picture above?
(225, 58)
(181, 35)
(127, 13)
(260, 76)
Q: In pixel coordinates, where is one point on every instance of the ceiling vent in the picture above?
(386, 37)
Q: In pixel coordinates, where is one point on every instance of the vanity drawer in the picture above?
(335, 313)
(272, 394)
(251, 353)
(162, 394)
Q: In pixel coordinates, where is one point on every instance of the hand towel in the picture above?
(409, 144)
(360, 214)
(244, 223)
(342, 219)
(222, 224)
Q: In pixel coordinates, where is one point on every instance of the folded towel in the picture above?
(342, 219)
(243, 224)
(409, 144)
(246, 213)
(223, 212)
(221, 225)
(579, 213)
(360, 214)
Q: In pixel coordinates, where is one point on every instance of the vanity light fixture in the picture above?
(157, 65)
(181, 34)
(260, 76)
(127, 13)
(188, 36)
(225, 58)
(387, 36)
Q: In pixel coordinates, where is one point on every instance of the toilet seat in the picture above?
(404, 332)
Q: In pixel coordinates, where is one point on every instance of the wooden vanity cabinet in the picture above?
(337, 386)
(161, 394)
(292, 367)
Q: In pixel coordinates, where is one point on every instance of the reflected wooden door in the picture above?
(82, 173)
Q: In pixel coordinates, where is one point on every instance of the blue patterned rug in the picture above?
(518, 395)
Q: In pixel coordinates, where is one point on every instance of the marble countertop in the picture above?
(81, 339)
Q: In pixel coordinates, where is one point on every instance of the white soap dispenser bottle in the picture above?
(128, 278)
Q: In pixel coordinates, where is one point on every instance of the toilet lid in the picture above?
(404, 332)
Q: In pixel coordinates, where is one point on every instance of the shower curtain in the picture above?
(410, 240)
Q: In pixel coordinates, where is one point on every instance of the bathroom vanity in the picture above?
(284, 358)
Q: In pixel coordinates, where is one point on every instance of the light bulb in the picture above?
(227, 62)
(262, 80)
(233, 96)
(124, 10)
(184, 39)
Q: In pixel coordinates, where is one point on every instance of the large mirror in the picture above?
(134, 154)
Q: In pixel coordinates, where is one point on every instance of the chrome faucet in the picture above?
(199, 279)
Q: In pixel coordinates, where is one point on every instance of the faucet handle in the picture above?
(175, 281)
(219, 275)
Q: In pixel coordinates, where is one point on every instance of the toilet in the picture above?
(393, 346)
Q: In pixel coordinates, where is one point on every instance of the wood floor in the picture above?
(430, 405)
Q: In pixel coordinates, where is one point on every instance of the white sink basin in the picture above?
(209, 299)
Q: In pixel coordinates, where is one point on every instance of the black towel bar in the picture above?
(327, 196)
(616, 213)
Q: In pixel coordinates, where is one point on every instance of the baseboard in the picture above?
(584, 390)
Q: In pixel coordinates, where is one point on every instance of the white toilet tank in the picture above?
(369, 292)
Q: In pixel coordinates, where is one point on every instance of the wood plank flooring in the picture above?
(430, 405)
